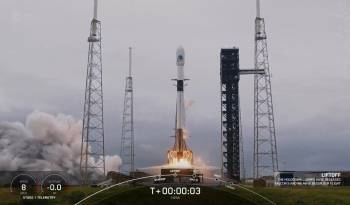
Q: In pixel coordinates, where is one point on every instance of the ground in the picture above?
(136, 195)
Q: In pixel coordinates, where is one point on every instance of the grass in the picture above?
(308, 196)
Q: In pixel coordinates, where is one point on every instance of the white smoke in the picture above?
(44, 143)
(112, 163)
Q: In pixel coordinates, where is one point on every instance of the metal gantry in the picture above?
(127, 140)
(265, 147)
(229, 75)
(92, 161)
(231, 143)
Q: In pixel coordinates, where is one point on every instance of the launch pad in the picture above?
(181, 175)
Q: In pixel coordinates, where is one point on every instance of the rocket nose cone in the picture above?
(180, 56)
(180, 50)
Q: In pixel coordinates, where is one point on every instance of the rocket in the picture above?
(180, 101)
(180, 153)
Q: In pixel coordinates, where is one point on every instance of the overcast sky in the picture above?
(43, 61)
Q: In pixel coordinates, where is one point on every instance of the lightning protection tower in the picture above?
(127, 139)
(92, 159)
(265, 148)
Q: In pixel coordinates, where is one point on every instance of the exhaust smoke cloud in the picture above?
(44, 143)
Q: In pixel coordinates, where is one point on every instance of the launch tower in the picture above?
(92, 159)
(127, 140)
(231, 145)
(265, 147)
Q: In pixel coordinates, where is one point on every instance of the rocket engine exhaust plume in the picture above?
(44, 143)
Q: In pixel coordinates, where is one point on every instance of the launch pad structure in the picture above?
(92, 157)
(265, 146)
(127, 140)
(230, 112)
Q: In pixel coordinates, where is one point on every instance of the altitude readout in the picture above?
(53, 184)
(177, 191)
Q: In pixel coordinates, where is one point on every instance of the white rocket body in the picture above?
(180, 102)
(180, 152)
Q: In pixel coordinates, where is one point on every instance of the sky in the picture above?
(43, 61)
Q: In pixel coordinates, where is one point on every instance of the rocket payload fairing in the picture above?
(180, 154)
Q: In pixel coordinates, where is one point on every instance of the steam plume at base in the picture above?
(44, 143)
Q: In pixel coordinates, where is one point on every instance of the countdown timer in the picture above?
(175, 191)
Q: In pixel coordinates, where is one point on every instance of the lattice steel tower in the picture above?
(92, 159)
(127, 140)
(265, 148)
